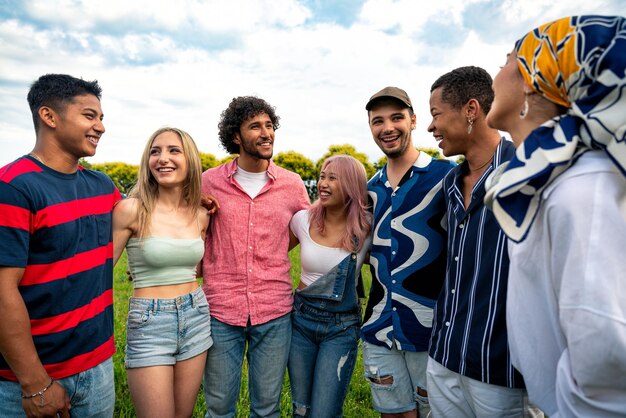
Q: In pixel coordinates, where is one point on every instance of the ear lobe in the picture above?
(237, 139)
(47, 115)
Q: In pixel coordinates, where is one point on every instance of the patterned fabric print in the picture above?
(577, 62)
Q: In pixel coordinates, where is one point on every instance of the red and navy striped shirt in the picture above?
(57, 227)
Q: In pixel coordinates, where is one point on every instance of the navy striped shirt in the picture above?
(469, 329)
(58, 228)
(408, 255)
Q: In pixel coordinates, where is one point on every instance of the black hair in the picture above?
(239, 110)
(465, 83)
(57, 90)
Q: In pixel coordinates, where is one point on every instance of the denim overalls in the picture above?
(326, 323)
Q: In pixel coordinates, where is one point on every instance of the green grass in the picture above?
(358, 400)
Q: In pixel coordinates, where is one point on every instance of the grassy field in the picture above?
(358, 401)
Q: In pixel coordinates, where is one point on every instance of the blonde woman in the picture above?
(162, 225)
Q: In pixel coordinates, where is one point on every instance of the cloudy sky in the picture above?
(179, 63)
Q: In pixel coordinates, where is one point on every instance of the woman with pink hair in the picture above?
(334, 240)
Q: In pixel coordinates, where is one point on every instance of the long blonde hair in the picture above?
(146, 190)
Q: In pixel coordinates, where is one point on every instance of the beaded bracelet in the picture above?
(40, 393)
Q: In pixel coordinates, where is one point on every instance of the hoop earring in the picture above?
(470, 125)
(524, 111)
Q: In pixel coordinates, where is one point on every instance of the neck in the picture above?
(252, 164)
(55, 159)
(335, 216)
(482, 146)
(405, 160)
(171, 198)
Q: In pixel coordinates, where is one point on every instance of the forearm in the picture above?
(16, 342)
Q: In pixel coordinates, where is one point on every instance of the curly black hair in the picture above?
(465, 83)
(57, 90)
(239, 110)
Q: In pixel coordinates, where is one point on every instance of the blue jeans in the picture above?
(268, 351)
(92, 393)
(321, 361)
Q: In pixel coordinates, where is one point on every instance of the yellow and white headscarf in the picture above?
(578, 62)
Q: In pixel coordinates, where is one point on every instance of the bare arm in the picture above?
(124, 225)
(18, 349)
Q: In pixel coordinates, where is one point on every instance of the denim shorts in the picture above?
(160, 332)
(408, 370)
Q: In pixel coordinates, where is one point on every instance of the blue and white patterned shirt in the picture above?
(408, 255)
(469, 329)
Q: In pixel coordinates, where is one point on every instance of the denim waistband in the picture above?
(322, 315)
(180, 302)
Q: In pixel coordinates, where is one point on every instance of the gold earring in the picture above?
(524, 111)
(470, 125)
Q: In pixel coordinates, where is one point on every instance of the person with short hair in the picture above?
(407, 259)
(469, 371)
(326, 318)
(56, 261)
(246, 263)
(562, 203)
(162, 225)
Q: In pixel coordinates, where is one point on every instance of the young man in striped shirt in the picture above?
(56, 299)
(469, 370)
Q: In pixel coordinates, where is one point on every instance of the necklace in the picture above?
(36, 157)
(478, 168)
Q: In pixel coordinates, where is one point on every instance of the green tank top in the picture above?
(157, 261)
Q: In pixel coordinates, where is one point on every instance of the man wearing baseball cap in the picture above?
(408, 259)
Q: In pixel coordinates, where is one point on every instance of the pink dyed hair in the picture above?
(353, 184)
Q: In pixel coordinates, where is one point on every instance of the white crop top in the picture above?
(318, 259)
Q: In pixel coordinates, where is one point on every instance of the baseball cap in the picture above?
(392, 92)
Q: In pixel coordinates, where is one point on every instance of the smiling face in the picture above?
(448, 125)
(391, 125)
(329, 187)
(167, 162)
(78, 126)
(508, 87)
(256, 137)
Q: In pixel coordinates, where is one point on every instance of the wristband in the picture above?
(40, 393)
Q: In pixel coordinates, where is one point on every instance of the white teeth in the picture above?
(165, 170)
(94, 140)
(324, 194)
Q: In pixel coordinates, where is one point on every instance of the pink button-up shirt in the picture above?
(246, 265)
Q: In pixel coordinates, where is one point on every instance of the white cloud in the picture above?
(319, 76)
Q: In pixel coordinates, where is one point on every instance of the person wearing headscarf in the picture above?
(562, 202)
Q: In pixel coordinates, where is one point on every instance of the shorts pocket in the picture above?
(139, 318)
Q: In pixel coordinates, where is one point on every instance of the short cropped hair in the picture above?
(56, 91)
(239, 110)
(465, 83)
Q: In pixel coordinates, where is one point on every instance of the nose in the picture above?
(431, 127)
(388, 126)
(265, 131)
(99, 127)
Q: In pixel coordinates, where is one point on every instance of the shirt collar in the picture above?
(422, 163)
(231, 169)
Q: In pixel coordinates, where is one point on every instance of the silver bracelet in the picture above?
(40, 394)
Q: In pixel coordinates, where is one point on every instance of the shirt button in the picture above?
(447, 323)
(393, 194)
(250, 270)
(394, 308)
(393, 281)
(250, 247)
(251, 224)
(461, 226)
(456, 258)
(452, 291)
(393, 253)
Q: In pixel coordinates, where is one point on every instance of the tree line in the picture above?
(124, 175)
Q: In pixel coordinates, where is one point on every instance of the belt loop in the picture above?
(193, 299)
(155, 306)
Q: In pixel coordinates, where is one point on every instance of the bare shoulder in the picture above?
(126, 211)
(203, 217)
